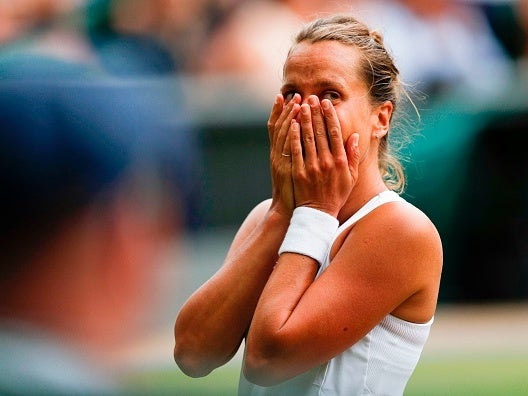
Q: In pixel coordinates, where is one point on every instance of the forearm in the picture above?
(213, 322)
(273, 350)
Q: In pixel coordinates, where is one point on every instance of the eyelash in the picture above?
(288, 95)
(330, 95)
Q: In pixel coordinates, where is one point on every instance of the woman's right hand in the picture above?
(279, 123)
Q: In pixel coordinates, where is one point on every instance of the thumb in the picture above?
(352, 151)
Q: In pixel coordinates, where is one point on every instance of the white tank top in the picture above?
(380, 363)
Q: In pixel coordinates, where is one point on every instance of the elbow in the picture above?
(189, 354)
(263, 368)
(190, 364)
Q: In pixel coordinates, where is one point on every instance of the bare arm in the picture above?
(212, 323)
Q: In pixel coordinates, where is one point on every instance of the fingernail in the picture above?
(326, 104)
(312, 101)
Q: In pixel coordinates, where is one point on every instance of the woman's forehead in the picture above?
(325, 59)
(331, 49)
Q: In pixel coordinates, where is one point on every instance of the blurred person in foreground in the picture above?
(82, 36)
(332, 282)
(85, 218)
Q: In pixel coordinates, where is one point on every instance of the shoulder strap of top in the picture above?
(373, 203)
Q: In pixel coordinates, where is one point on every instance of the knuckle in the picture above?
(320, 133)
(326, 163)
(296, 151)
(312, 167)
(334, 132)
(341, 161)
(299, 177)
(308, 138)
(295, 134)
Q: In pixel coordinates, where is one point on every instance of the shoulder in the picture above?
(400, 220)
(396, 238)
(398, 248)
(408, 233)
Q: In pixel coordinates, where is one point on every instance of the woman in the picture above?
(333, 282)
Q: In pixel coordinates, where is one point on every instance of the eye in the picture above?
(288, 95)
(331, 96)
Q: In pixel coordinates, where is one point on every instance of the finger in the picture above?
(283, 141)
(275, 113)
(333, 128)
(353, 156)
(319, 127)
(296, 147)
(288, 112)
(307, 133)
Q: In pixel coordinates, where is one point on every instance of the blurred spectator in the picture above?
(504, 21)
(86, 214)
(86, 32)
(124, 36)
(23, 16)
(522, 13)
(441, 45)
(509, 22)
(167, 33)
(522, 10)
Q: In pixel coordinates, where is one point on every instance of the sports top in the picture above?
(380, 363)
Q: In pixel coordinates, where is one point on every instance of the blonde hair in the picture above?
(379, 73)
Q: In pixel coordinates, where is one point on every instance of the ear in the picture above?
(383, 116)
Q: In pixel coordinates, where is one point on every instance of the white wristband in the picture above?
(310, 233)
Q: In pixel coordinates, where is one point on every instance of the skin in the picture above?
(389, 262)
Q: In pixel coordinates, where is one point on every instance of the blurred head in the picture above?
(85, 213)
(363, 58)
(17, 17)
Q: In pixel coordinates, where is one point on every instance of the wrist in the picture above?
(279, 215)
(310, 232)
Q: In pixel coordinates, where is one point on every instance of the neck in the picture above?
(369, 184)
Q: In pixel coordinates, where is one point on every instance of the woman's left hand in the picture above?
(323, 172)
